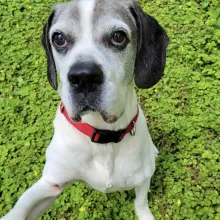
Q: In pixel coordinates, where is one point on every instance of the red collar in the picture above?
(98, 135)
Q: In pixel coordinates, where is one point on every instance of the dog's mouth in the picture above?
(110, 119)
(87, 108)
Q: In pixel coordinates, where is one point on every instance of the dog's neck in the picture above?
(95, 119)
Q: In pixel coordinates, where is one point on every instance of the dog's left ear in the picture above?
(51, 68)
(152, 42)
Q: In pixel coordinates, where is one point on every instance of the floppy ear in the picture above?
(152, 42)
(51, 68)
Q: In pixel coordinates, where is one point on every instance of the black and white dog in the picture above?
(100, 49)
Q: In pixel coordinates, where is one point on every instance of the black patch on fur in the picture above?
(152, 42)
(51, 68)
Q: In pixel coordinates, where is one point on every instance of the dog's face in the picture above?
(97, 47)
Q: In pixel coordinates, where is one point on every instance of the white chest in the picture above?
(112, 171)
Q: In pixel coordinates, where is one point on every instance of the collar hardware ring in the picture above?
(133, 131)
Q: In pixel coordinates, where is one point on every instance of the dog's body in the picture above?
(96, 46)
(108, 168)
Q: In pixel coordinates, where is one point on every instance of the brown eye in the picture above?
(59, 40)
(118, 38)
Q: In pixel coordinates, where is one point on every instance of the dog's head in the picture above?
(98, 47)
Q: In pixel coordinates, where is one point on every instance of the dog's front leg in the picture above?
(35, 201)
(141, 201)
(39, 209)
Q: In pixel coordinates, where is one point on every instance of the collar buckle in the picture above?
(105, 136)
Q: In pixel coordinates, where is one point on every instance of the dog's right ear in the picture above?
(51, 68)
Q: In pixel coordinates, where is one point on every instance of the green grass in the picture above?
(182, 112)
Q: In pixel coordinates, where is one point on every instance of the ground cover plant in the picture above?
(182, 112)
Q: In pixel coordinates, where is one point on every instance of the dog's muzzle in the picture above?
(85, 77)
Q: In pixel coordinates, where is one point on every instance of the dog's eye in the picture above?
(119, 38)
(59, 40)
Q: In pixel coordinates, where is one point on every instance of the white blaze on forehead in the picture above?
(86, 8)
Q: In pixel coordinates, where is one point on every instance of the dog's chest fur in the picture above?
(107, 168)
(112, 169)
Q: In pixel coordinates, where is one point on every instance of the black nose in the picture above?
(85, 77)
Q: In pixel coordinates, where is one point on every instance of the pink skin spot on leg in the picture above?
(55, 190)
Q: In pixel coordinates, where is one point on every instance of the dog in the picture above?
(100, 50)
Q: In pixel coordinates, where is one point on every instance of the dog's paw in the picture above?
(144, 214)
(146, 217)
(11, 216)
